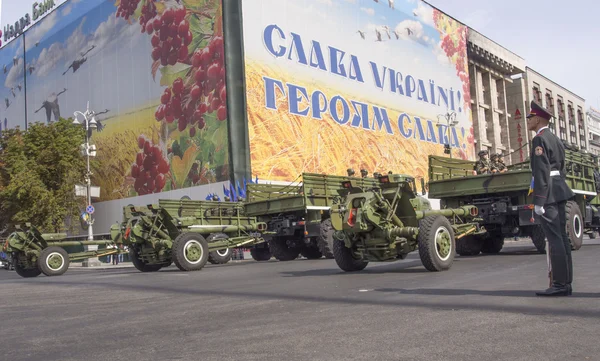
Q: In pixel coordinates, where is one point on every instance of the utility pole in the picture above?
(89, 151)
(451, 122)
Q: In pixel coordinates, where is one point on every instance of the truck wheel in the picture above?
(345, 259)
(260, 254)
(220, 256)
(53, 261)
(325, 239)
(574, 225)
(311, 253)
(281, 251)
(190, 252)
(26, 272)
(139, 264)
(468, 246)
(437, 246)
(493, 244)
(538, 238)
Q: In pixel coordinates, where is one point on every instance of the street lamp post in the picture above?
(451, 121)
(89, 151)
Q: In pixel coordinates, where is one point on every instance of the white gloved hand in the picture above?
(539, 210)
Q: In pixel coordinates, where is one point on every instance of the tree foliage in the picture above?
(38, 172)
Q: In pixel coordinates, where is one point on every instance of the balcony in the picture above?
(595, 143)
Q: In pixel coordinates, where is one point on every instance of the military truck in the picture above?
(505, 205)
(33, 253)
(299, 213)
(386, 222)
(185, 232)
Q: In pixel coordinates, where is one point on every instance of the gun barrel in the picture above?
(462, 211)
(259, 226)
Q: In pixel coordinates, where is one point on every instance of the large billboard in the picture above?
(337, 84)
(153, 71)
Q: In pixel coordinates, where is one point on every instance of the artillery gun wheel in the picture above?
(190, 252)
(493, 244)
(468, 246)
(221, 256)
(26, 272)
(53, 261)
(538, 238)
(345, 259)
(437, 246)
(281, 251)
(325, 239)
(574, 225)
(260, 254)
(311, 253)
(139, 264)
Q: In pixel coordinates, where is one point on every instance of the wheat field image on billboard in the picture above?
(336, 84)
(153, 71)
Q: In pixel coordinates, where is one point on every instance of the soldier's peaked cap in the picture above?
(537, 109)
(482, 152)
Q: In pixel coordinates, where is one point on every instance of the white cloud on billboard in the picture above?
(326, 2)
(369, 11)
(15, 74)
(41, 29)
(424, 13)
(48, 60)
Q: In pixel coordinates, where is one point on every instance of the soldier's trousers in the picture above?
(554, 223)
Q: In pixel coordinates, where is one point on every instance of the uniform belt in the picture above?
(554, 173)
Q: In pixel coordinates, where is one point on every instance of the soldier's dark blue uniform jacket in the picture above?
(548, 166)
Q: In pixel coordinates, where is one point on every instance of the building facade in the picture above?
(593, 126)
(569, 122)
(491, 67)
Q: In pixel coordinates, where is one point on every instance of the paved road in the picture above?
(484, 308)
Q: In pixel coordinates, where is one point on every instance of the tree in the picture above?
(38, 172)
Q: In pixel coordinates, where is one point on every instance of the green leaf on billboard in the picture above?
(193, 4)
(220, 134)
(172, 72)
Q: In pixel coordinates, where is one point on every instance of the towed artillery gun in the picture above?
(386, 222)
(298, 213)
(34, 253)
(185, 232)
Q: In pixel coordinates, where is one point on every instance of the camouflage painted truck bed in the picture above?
(505, 207)
(312, 192)
(453, 178)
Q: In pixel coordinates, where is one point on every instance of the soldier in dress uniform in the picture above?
(550, 195)
(482, 166)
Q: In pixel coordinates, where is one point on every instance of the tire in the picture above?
(325, 240)
(220, 256)
(260, 254)
(311, 252)
(536, 233)
(345, 258)
(26, 272)
(53, 261)
(468, 246)
(281, 251)
(574, 225)
(139, 264)
(493, 244)
(436, 256)
(190, 252)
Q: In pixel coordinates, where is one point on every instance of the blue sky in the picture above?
(559, 40)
